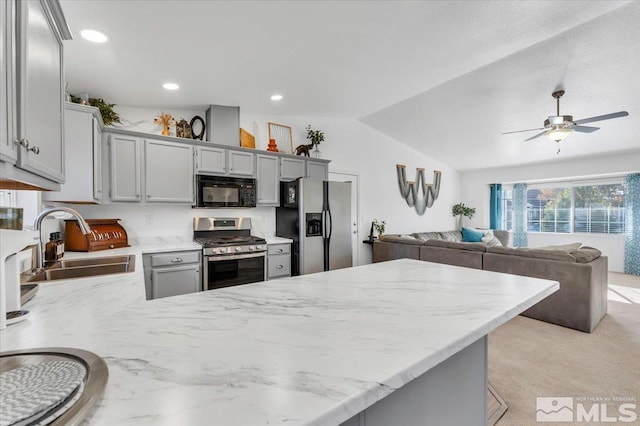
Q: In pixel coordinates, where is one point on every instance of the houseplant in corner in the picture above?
(463, 211)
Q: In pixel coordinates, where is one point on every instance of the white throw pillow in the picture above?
(491, 240)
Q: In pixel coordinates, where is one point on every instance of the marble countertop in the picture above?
(308, 350)
(278, 240)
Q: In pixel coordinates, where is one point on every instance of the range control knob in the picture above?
(220, 250)
(252, 248)
(238, 248)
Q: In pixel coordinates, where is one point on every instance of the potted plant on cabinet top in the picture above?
(315, 137)
(463, 211)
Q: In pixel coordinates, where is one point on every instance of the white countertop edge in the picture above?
(278, 240)
(360, 402)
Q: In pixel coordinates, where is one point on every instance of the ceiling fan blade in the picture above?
(602, 117)
(585, 129)
(519, 131)
(534, 136)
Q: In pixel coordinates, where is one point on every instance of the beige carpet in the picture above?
(530, 358)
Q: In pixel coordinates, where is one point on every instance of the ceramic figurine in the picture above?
(183, 129)
(303, 149)
(166, 120)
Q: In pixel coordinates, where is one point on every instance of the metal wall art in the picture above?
(418, 194)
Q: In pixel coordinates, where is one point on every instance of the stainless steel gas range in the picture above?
(231, 255)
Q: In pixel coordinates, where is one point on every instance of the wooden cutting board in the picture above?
(247, 140)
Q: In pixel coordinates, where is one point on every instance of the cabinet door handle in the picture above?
(176, 260)
(22, 142)
(279, 266)
(280, 250)
(34, 149)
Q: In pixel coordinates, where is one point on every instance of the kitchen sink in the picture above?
(72, 263)
(80, 268)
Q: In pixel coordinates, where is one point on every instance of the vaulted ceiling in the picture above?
(444, 77)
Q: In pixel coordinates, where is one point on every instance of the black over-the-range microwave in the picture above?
(224, 191)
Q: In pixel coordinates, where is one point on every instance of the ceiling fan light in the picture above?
(557, 134)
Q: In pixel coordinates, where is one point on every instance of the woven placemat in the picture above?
(28, 391)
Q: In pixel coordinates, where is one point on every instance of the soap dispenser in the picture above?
(54, 249)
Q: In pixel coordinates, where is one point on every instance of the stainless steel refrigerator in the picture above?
(316, 215)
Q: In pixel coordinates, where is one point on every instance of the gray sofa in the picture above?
(581, 301)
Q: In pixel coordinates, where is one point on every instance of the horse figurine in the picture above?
(303, 149)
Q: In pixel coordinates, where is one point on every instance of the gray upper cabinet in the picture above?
(82, 156)
(292, 168)
(168, 172)
(220, 161)
(317, 170)
(223, 125)
(241, 163)
(211, 160)
(31, 93)
(7, 147)
(125, 168)
(268, 180)
(39, 91)
(97, 157)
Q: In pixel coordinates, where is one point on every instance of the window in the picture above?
(507, 210)
(599, 209)
(596, 209)
(549, 210)
(7, 198)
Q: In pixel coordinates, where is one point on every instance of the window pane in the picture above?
(600, 209)
(507, 210)
(549, 210)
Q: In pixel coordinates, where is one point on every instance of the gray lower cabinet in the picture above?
(278, 261)
(268, 180)
(172, 273)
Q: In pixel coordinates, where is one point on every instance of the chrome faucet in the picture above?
(37, 226)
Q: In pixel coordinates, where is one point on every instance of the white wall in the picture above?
(350, 145)
(354, 146)
(141, 119)
(475, 193)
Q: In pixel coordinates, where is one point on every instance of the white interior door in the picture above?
(354, 178)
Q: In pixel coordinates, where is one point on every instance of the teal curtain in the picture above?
(495, 212)
(632, 234)
(520, 215)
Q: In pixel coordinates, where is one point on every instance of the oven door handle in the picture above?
(235, 256)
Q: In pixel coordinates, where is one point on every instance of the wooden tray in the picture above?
(105, 234)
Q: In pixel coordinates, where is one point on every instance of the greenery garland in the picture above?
(109, 116)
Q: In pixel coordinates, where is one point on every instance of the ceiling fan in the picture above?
(558, 127)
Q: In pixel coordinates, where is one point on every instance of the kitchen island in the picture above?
(318, 349)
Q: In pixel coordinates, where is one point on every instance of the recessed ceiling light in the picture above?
(171, 86)
(94, 36)
(276, 97)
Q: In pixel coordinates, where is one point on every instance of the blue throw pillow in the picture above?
(470, 235)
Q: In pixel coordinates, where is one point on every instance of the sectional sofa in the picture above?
(581, 271)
